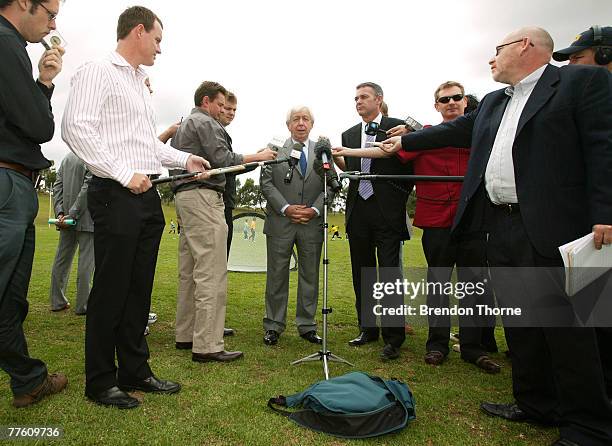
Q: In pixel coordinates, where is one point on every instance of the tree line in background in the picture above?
(248, 195)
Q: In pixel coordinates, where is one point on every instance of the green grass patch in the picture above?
(225, 404)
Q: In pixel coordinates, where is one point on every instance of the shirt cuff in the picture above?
(283, 209)
(317, 211)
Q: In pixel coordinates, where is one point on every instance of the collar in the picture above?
(117, 59)
(204, 112)
(4, 21)
(377, 120)
(527, 83)
(305, 143)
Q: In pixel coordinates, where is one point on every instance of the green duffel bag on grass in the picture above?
(355, 405)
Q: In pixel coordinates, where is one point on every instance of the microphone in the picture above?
(373, 128)
(412, 124)
(323, 164)
(294, 158)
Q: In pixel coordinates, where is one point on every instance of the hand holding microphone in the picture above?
(410, 125)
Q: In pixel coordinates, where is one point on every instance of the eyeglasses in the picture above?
(499, 47)
(50, 15)
(446, 99)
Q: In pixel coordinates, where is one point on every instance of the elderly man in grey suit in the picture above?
(70, 202)
(294, 210)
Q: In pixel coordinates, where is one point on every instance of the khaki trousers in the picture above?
(202, 294)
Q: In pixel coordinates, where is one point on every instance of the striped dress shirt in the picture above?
(109, 122)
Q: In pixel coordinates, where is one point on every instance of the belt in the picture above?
(21, 169)
(510, 208)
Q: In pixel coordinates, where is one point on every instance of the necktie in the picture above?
(303, 162)
(365, 186)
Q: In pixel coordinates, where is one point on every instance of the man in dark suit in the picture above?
(375, 222)
(539, 177)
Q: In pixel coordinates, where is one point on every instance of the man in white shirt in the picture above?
(109, 123)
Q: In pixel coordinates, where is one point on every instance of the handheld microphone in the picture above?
(412, 124)
(294, 158)
(275, 144)
(373, 128)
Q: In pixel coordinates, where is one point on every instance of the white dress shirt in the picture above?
(109, 122)
(499, 176)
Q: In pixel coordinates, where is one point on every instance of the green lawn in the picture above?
(223, 404)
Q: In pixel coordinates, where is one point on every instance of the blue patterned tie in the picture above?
(303, 162)
(365, 186)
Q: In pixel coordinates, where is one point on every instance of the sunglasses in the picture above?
(446, 99)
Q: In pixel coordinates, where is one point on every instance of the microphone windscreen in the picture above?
(323, 145)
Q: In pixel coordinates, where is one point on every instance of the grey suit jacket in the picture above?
(70, 192)
(307, 190)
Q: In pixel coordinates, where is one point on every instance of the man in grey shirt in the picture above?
(70, 202)
(202, 294)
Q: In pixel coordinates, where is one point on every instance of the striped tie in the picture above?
(365, 186)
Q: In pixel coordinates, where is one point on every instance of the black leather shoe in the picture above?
(564, 442)
(113, 397)
(228, 332)
(389, 352)
(184, 345)
(485, 363)
(151, 385)
(221, 356)
(362, 339)
(509, 412)
(312, 337)
(271, 337)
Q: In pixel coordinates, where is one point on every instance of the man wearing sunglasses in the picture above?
(26, 121)
(539, 176)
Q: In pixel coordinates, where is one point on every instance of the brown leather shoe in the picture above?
(221, 356)
(485, 363)
(54, 383)
(64, 307)
(434, 357)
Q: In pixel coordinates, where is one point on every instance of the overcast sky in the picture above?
(277, 54)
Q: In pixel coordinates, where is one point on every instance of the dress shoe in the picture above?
(113, 397)
(271, 337)
(408, 329)
(389, 352)
(150, 385)
(509, 412)
(184, 345)
(62, 308)
(54, 383)
(485, 363)
(312, 337)
(362, 339)
(434, 357)
(564, 442)
(228, 332)
(152, 318)
(221, 356)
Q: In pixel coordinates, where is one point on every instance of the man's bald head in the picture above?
(521, 53)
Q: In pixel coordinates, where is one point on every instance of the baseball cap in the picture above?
(584, 40)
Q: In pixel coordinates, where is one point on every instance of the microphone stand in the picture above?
(324, 354)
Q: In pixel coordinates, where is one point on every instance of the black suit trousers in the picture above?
(372, 242)
(128, 230)
(557, 376)
(476, 335)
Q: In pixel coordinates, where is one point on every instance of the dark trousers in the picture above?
(128, 230)
(373, 243)
(18, 208)
(230, 227)
(476, 335)
(557, 376)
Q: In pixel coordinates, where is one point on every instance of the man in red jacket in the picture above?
(435, 210)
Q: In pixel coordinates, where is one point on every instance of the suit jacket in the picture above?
(391, 196)
(307, 190)
(562, 155)
(70, 192)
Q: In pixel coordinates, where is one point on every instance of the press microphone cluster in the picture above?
(323, 164)
(294, 159)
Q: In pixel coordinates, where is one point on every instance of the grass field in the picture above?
(225, 404)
